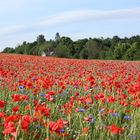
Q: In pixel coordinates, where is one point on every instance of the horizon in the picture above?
(25, 20)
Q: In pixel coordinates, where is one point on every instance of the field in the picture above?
(44, 98)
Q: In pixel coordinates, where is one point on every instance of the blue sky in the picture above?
(25, 19)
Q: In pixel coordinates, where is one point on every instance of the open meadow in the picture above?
(45, 98)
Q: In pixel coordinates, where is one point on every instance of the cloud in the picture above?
(73, 17)
(91, 15)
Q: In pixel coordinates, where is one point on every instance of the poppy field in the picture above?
(45, 98)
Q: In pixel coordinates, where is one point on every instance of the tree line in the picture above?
(92, 48)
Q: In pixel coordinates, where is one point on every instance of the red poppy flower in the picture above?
(2, 103)
(114, 130)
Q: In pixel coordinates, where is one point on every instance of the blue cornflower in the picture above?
(91, 121)
(115, 114)
(133, 136)
(81, 110)
(42, 94)
(37, 126)
(61, 131)
(21, 87)
(127, 117)
(33, 78)
(65, 92)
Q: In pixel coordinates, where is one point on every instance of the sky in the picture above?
(24, 20)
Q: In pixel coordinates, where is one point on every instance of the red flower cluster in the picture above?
(38, 93)
(114, 130)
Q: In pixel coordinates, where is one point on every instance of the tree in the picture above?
(93, 47)
(133, 53)
(79, 45)
(120, 50)
(57, 37)
(40, 39)
(67, 42)
(24, 43)
(8, 50)
(114, 41)
(63, 51)
(84, 54)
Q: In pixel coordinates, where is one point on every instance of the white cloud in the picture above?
(72, 17)
(91, 15)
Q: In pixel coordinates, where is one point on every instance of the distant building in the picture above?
(43, 54)
(48, 52)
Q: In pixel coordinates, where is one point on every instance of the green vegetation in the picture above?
(92, 48)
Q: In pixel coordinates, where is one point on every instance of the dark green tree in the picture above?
(84, 53)
(57, 37)
(67, 42)
(79, 45)
(133, 53)
(63, 51)
(8, 50)
(94, 47)
(120, 50)
(40, 39)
